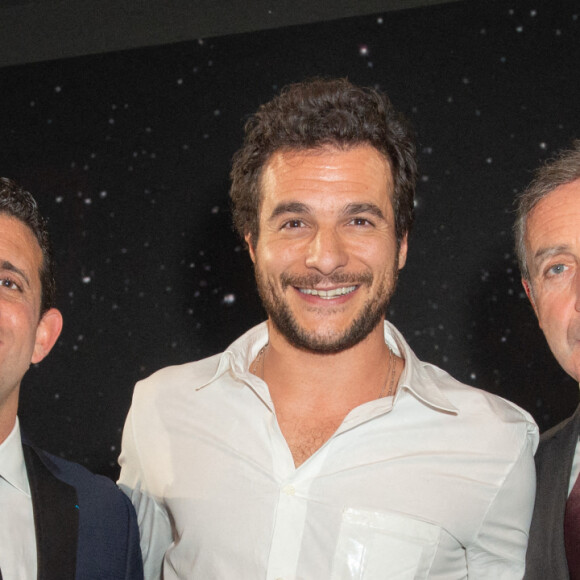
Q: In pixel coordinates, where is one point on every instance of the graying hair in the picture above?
(563, 169)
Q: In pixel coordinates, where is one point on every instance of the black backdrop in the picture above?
(128, 154)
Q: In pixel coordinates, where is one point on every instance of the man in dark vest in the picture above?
(58, 521)
(547, 235)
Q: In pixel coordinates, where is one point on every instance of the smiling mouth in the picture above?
(328, 294)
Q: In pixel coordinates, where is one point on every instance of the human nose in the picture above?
(577, 290)
(326, 251)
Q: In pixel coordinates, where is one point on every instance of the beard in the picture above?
(369, 316)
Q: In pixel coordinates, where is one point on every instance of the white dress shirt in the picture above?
(437, 482)
(17, 532)
(575, 468)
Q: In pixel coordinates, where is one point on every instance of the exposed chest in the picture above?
(305, 435)
(396, 463)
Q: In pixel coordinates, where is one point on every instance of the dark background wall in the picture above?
(37, 30)
(128, 153)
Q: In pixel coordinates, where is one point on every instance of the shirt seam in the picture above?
(500, 487)
(145, 485)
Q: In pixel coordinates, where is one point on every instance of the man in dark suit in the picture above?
(58, 521)
(547, 234)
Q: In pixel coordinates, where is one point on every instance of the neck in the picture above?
(349, 377)
(7, 420)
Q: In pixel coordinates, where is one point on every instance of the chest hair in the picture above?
(304, 436)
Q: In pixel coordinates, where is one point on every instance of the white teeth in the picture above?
(328, 294)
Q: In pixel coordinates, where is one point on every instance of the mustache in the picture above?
(336, 279)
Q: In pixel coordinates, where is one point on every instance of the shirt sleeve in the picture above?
(154, 524)
(499, 550)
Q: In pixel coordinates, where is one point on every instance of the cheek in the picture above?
(377, 254)
(15, 315)
(22, 323)
(553, 301)
(553, 316)
(276, 257)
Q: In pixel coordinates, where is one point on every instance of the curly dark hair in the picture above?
(19, 204)
(563, 169)
(318, 113)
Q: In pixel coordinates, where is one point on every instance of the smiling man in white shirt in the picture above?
(317, 446)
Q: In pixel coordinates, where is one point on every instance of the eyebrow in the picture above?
(356, 208)
(351, 209)
(290, 207)
(544, 253)
(10, 267)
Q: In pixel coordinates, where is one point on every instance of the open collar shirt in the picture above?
(17, 532)
(436, 482)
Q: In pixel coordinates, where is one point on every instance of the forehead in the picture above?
(561, 206)
(18, 244)
(357, 170)
(555, 220)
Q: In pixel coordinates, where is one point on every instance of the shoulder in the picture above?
(174, 382)
(476, 403)
(170, 393)
(566, 428)
(97, 489)
(493, 407)
(172, 386)
(561, 440)
(472, 408)
(177, 377)
(554, 459)
(108, 535)
(489, 422)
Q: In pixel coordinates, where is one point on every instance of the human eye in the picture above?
(10, 284)
(360, 221)
(556, 270)
(292, 224)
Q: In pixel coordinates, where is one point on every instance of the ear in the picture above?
(248, 238)
(403, 246)
(529, 293)
(47, 333)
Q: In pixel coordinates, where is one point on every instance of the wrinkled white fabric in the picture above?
(437, 482)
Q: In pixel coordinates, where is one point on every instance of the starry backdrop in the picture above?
(128, 154)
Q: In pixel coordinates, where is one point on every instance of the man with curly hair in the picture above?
(318, 446)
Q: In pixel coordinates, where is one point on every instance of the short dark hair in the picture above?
(563, 169)
(318, 113)
(19, 204)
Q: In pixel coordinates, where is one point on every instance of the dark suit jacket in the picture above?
(546, 557)
(86, 528)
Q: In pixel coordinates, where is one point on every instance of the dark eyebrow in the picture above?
(290, 207)
(6, 265)
(356, 208)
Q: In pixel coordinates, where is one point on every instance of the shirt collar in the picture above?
(245, 349)
(12, 466)
(418, 378)
(238, 357)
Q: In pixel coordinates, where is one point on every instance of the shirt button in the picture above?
(288, 490)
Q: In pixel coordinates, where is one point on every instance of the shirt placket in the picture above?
(291, 507)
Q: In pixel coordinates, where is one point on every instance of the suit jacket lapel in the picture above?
(547, 534)
(56, 519)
